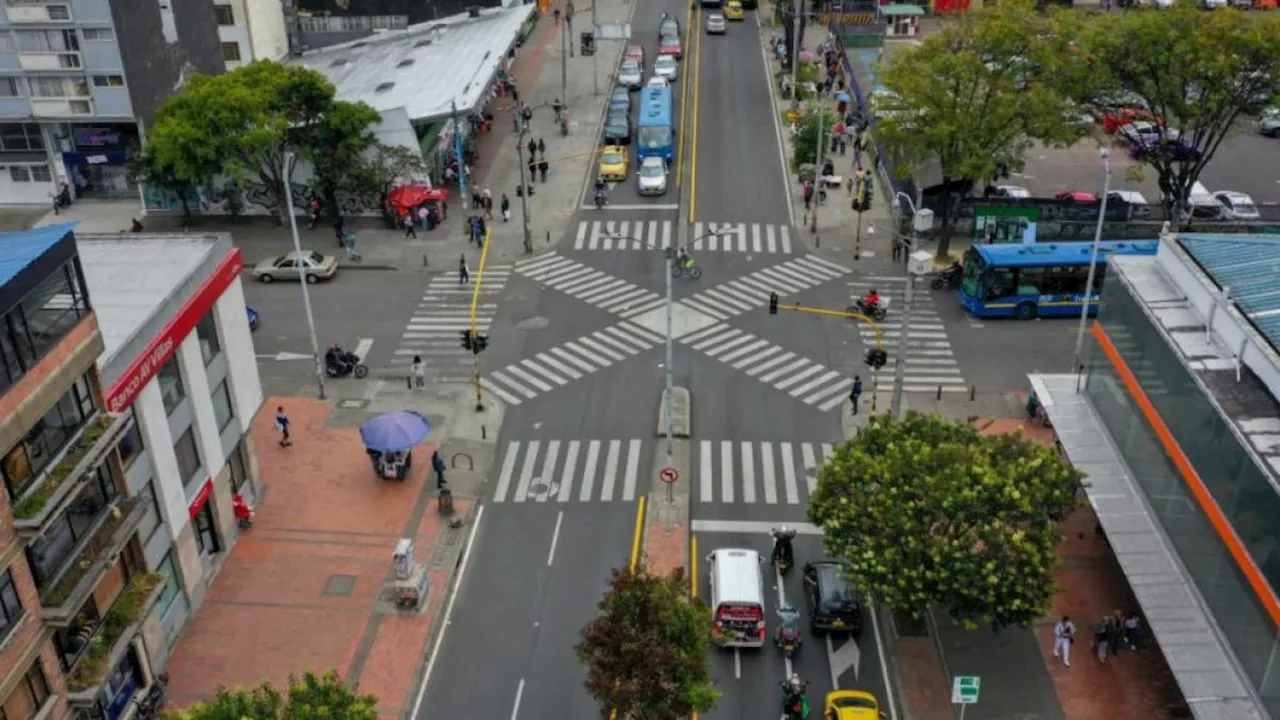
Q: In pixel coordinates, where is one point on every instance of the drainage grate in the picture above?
(908, 626)
(340, 585)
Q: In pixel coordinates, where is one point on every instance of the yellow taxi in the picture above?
(733, 10)
(613, 163)
(851, 705)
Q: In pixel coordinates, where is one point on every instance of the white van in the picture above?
(737, 596)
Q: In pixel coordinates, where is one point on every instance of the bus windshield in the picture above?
(971, 284)
(654, 138)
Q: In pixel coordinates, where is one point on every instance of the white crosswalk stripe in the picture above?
(757, 238)
(768, 473)
(930, 362)
(566, 363)
(605, 291)
(805, 380)
(751, 291)
(443, 312)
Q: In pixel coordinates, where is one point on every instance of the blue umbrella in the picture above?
(843, 97)
(395, 432)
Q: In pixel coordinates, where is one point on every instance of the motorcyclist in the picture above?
(871, 300)
(794, 701)
(782, 550)
(685, 260)
(789, 617)
(601, 195)
(333, 356)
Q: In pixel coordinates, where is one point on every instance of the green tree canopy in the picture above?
(379, 170)
(929, 511)
(311, 697)
(648, 651)
(1197, 71)
(971, 99)
(804, 144)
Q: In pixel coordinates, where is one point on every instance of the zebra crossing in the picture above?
(758, 238)
(731, 472)
(930, 362)
(751, 291)
(805, 380)
(571, 361)
(443, 312)
(605, 291)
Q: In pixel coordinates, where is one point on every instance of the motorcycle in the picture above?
(877, 313)
(788, 637)
(600, 199)
(795, 702)
(340, 363)
(948, 278)
(150, 705)
(783, 556)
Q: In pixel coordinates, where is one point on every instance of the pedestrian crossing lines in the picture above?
(748, 472)
(605, 291)
(752, 291)
(930, 363)
(443, 312)
(758, 238)
(571, 361)
(581, 470)
(803, 379)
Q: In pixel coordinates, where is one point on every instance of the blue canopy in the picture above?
(395, 431)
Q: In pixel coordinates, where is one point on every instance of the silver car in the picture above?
(652, 177)
(666, 67)
(631, 75)
(716, 24)
(294, 266)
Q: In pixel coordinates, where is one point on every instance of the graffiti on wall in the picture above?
(224, 198)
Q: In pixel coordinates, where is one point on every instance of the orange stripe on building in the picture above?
(1211, 509)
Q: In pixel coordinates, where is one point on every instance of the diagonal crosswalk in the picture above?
(801, 378)
(605, 291)
(625, 235)
(930, 362)
(729, 472)
(751, 291)
(442, 313)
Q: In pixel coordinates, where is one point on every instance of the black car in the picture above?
(617, 129)
(833, 603)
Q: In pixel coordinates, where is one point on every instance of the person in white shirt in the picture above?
(419, 373)
(1064, 633)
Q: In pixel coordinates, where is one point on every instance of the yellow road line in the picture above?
(475, 304)
(693, 576)
(693, 147)
(684, 99)
(639, 534)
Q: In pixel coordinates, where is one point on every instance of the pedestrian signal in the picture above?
(877, 358)
(466, 339)
(773, 303)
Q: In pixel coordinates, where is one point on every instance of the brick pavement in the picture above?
(666, 546)
(278, 606)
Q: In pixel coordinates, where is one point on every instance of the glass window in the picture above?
(231, 52)
(130, 446)
(48, 41)
(222, 411)
(239, 468)
(108, 81)
(99, 34)
(6, 42)
(224, 15)
(153, 520)
(207, 334)
(9, 86)
(16, 137)
(188, 456)
(52, 308)
(42, 442)
(171, 390)
(10, 605)
(40, 173)
(19, 173)
(206, 532)
(172, 586)
(29, 696)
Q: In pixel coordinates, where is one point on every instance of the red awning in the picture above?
(407, 197)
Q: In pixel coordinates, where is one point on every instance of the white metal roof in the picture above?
(425, 68)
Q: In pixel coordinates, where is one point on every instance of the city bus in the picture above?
(1045, 280)
(655, 135)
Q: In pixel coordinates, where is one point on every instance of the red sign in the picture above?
(125, 390)
(668, 475)
(202, 497)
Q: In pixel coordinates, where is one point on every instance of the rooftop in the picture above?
(1248, 268)
(18, 250)
(426, 68)
(132, 279)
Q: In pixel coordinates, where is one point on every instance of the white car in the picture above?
(1269, 123)
(657, 81)
(1012, 191)
(1238, 205)
(716, 24)
(666, 67)
(652, 177)
(631, 75)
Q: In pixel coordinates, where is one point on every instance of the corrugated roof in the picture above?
(423, 69)
(20, 249)
(1249, 266)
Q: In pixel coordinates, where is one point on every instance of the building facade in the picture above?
(251, 30)
(79, 80)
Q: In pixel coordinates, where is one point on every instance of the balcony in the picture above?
(61, 107)
(49, 494)
(50, 61)
(110, 638)
(100, 552)
(22, 13)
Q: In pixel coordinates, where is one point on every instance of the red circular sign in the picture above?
(668, 475)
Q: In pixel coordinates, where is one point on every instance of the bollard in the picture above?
(444, 503)
(973, 391)
(548, 237)
(408, 382)
(817, 241)
(939, 397)
(484, 433)
(424, 260)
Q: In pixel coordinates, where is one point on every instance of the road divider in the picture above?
(681, 413)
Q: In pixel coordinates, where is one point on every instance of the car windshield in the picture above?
(616, 122)
(669, 40)
(837, 592)
(665, 63)
(855, 701)
(716, 18)
(1244, 207)
(651, 170)
(611, 159)
(669, 27)
(630, 68)
(655, 138)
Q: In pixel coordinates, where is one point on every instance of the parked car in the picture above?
(1012, 191)
(665, 67)
(1176, 148)
(631, 75)
(833, 603)
(295, 266)
(1117, 117)
(1238, 205)
(620, 100)
(670, 45)
(1269, 123)
(716, 24)
(1079, 196)
(1138, 132)
(617, 129)
(652, 178)
(1139, 208)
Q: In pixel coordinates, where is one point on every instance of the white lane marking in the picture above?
(737, 664)
(515, 708)
(632, 472)
(508, 466)
(589, 471)
(782, 600)
(363, 346)
(526, 471)
(610, 470)
(706, 478)
(789, 474)
(848, 656)
(555, 537)
(751, 527)
(566, 478)
(448, 613)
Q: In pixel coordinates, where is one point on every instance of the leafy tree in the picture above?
(311, 697)
(647, 652)
(340, 141)
(1195, 71)
(804, 143)
(971, 100)
(928, 511)
(382, 169)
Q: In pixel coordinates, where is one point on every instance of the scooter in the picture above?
(788, 637)
(600, 199)
(877, 313)
(243, 512)
(783, 555)
(795, 702)
(339, 364)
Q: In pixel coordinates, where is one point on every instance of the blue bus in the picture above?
(655, 135)
(1030, 281)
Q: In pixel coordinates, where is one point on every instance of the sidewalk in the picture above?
(304, 588)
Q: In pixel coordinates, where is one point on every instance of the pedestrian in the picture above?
(856, 393)
(1102, 638)
(556, 14)
(282, 427)
(808, 193)
(1064, 633)
(486, 202)
(422, 216)
(515, 91)
(353, 251)
(340, 229)
(1131, 627)
(898, 249)
(315, 213)
(506, 208)
(437, 464)
(526, 112)
(557, 107)
(409, 231)
(533, 169)
(542, 168)
(419, 371)
(464, 273)
(533, 149)
(542, 148)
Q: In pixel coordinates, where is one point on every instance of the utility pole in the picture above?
(820, 186)
(595, 50)
(797, 12)
(457, 152)
(286, 171)
(921, 221)
(568, 23)
(1093, 260)
(566, 47)
(524, 189)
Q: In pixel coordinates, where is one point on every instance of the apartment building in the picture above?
(79, 80)
(251, 30)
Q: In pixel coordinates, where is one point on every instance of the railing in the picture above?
(64, 598)
(60, 107)
(40, 501)
(50, 60)
(126, 612)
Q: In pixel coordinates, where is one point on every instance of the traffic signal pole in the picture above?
(475, 305)
(875, 358)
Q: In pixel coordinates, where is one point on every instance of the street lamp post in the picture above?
(921, 221)
(524, 186)
(287, 166)
(1093, 260)
(457, 153)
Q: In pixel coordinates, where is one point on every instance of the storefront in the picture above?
(901, 21)
(98, 158)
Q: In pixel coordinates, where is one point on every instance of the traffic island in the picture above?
(666, 522)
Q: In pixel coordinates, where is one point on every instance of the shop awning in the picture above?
(901, 10)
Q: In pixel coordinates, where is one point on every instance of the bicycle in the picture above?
(693, 271)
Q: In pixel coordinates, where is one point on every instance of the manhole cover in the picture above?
(353, 404)
(538, 488)
(340, 585)
(534, 323)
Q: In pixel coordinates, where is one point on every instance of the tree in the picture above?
(381, 169)
(647, 652)
(929, 511)
(147, 168)
(340, 141)
(1195, 71)
(804, 144)
(971, 100)
(311, 697)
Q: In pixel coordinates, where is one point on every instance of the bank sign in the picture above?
(157, 352)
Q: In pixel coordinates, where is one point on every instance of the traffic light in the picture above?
(773, 303)
(588, 44)
(481, 342)
(877, 358)
(466, 339)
